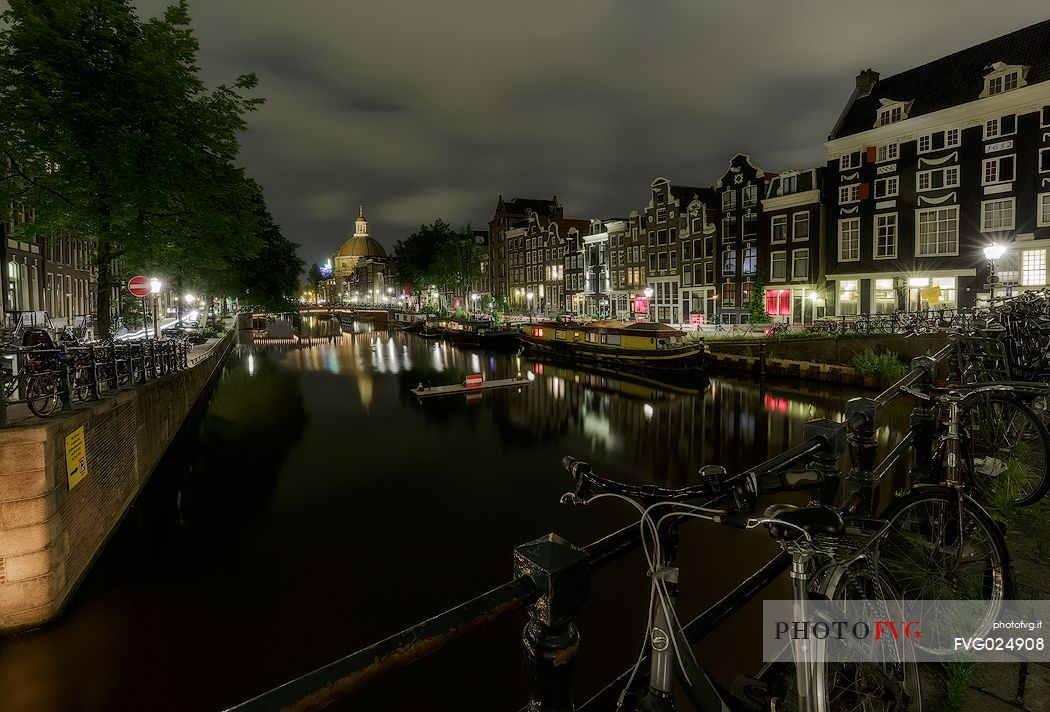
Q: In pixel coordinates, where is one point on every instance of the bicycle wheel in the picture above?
(942, 545)
(42, 395)
(887, 686)
(1009, 448)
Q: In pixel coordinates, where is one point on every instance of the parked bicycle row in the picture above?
(44, 375)
(972, 448)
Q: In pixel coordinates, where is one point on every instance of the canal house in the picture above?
(928, 167)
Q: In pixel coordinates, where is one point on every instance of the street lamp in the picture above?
(528, 296)
(474, 301)
(648, 292)
(992, 253)
(154, 287)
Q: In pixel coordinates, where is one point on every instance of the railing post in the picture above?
(826, 461)
(862, 450)
(65, 374)
(921, 424)
(114, 373)
(93, 362)
(561, 574)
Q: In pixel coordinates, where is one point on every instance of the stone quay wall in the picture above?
(51, 533)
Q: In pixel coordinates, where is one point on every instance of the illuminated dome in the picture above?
(359, 247)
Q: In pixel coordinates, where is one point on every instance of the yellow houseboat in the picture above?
(642, 345)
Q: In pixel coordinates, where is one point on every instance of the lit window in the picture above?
(750, 262)
(849, 302)
(885, 296)
(729, 294)
(1033, 268)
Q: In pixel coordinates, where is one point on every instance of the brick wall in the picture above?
(50, 534)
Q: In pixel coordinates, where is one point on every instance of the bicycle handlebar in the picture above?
(744, 488)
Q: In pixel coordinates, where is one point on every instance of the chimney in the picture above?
(866, 82)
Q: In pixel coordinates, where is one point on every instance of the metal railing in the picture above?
(84, 371)
(552, 578)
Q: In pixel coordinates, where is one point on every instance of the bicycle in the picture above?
(814, 538)
(942, 543)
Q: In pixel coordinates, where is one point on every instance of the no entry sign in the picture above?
(139, 286)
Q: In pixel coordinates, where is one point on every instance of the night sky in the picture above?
(421, 109)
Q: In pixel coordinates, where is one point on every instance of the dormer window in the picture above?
(891, 112)
(1000, 78)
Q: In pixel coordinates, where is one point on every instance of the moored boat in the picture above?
(642, 345)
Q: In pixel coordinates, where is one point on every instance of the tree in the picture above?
(109, 133)
(314, 276)
(416, 257)
(756, 305)
(457, 262)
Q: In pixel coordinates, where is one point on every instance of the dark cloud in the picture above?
(421, 109)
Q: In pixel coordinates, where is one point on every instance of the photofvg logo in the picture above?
(890, 630)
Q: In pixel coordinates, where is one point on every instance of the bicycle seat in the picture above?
(813, 520)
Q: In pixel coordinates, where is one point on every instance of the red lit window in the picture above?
(537, 333)
(778, 302)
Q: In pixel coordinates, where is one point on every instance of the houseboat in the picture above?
(643, 345)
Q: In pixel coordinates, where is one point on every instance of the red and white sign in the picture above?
(473, 381)
(139, 286)
(641, 305)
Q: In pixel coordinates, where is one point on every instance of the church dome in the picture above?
(361, 246)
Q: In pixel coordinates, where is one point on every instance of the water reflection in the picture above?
(321, 507)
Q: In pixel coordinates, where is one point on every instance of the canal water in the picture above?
(315, 507)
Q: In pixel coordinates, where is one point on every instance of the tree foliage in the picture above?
(438, 255)
(109, 132)
(756, 305)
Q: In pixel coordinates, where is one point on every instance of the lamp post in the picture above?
(648, 292)
(154, 287)
(528, 297)
(993, 253)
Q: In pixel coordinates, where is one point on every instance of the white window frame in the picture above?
(998, 80)
(794, 261)
(753, 190)
(951, 213)
(928, 139)
(846, 162)
(849, 193)
(1043, 210)
(1033, 262)
(729, 199)
(854, 224)
(772, 261)
(998, 170)
(947, 170)
(887, 152)
(876, 235)
(948, 143)
(773, 229)
(987, 206)
(993, 128)
(794, 226)
(892, 187)
(1043, 152)
(891, 114)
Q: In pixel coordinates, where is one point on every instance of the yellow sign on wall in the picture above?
(76, 457)
(931, 295)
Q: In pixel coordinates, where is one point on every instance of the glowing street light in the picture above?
(528, 296)
(154, 287)
(992, 253)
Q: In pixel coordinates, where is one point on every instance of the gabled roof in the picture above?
(952, 80)
(521, 206)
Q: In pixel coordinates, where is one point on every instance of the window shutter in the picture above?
(1006, 168)
(871, 154)
(1008, 124)
(865, 191)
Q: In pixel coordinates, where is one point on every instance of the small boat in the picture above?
(636, 346)
(481, 332)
